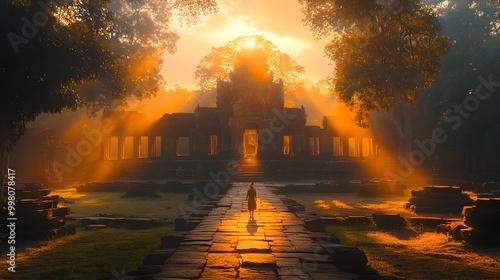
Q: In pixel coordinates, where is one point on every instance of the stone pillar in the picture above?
(344, 141)
(151, 146)
(121, 147)
(105, 147)
(136, 146)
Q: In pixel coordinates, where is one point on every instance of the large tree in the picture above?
(385, 53)
(49, 49)
(474, 57)
(218, 64)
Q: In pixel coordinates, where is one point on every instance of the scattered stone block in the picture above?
(314, 224)
(331, 221)
(158, 257)
(182, 224)
(438, 199)
(173, 239)
(95, 227)
(346, 256)
(389, 221)
(60, 211)
(428, 222)
(357, 220)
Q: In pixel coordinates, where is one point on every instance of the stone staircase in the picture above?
(250, 170)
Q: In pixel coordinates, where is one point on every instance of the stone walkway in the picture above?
(226, 244)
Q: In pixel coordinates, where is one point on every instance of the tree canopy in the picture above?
(475, 53)
(220, 61)
(385, 52)
(49, 49)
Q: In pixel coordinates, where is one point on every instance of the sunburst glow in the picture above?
(250, 43)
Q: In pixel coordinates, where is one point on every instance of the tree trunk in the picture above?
(402, 118)
(408, 125)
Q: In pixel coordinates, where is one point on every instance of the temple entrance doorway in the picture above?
(250, 142)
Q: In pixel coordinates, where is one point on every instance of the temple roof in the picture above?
(204, 113)
(313, 130)
(179, 119)
(294, 111)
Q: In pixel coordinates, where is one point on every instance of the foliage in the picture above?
(385, 52)
(219, 63)
(48, 49)
(475, 53)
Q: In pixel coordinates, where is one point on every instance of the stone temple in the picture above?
(249, 123)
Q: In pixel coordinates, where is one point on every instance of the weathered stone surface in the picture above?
(182, 224)
(173, 239)
(314, 224)
(291, 271)
(357, 220)
(226, 245)
(193, 248)
(223, 248)
(223, 238)
(283, 261)
(258, 274)
(253, 247)
(258, 260)
(224, 260)
(184, 271)
(428, 222)
(198, 237)
(390, 221)
(346, 256)
(324, 237)
(336, 276)
(210, 273)
(158, 257)
(331, 221)
(283, 249)
(438, 199)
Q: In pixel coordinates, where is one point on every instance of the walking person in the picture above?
(252, 200)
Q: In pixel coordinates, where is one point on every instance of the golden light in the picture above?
(250, 43)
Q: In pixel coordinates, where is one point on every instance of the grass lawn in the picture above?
(92, 204)
(87, 255)
(102, 254)
(411, 253)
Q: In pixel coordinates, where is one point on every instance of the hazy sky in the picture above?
(279, 21)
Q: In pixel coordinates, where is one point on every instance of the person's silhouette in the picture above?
(252, 200)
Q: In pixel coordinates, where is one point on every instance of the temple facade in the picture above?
(249, 121)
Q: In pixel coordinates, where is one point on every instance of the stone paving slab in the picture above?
(228, 245)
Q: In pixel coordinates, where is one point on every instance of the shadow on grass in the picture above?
(411, 254)
(86, 255)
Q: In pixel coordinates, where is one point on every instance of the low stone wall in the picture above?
(438, 199)
(39, 216)
(480, 225)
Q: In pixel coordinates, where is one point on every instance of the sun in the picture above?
(250, 43)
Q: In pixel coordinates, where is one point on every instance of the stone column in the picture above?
(121, 141)
(344, 141)
(105, 147)
(136, 146)
(151, 146)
